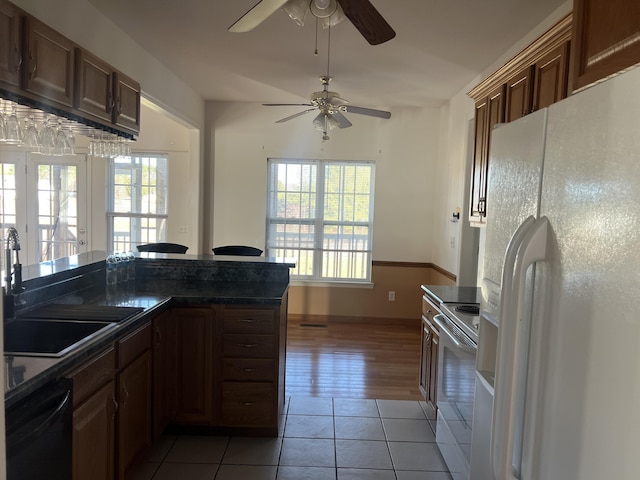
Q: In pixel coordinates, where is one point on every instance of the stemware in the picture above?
(48, 138)
(3, 128)
(31, 137)
(13, 130)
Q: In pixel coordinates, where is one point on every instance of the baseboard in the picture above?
(325, 320)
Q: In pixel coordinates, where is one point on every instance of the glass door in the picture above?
(59, 216)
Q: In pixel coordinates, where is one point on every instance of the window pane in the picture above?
(321, 221)
(138, 201)
(57, 211)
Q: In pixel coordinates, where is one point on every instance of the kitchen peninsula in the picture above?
(204, 351)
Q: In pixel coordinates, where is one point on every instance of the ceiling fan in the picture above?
(373, 27)
(331, 107)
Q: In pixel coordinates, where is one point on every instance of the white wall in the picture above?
(404, 149)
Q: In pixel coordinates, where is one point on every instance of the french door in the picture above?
(45, 199)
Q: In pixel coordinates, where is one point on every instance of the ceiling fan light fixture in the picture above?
(323, 8)
(334, 19)
(319, 122)
(297, 10)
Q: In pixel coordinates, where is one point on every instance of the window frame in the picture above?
(112, 213)
(320, 222)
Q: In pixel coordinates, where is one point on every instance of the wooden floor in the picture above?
(353, 359)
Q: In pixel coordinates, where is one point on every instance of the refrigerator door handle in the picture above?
(510, 387)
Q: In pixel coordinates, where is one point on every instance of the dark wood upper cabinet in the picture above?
(10, 46)
(606, 39)
(533, 79)
(551, 77)
(519, 97)
(49, 63)
(41, 68)
(126, 112)
(94, 86)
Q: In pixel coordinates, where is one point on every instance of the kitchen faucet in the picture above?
(14, 268)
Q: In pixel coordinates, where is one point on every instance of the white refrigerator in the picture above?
(558, 380)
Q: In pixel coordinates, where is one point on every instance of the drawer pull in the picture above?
(248, 320)
(248, 404)
(248, 370)
(248, 345)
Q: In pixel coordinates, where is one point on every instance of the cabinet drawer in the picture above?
(236, 345)
(248, 369)
(429, 310)
(248, 404)
(133, 345)
(92, 375)
(249, 320)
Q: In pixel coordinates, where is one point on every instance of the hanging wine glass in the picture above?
(48, 138)
(31, 137)
(14, 132)
(3, 127)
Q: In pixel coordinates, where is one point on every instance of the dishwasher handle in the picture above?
(35, 428)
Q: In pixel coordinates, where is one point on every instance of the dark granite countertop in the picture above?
(25, 374)
(452, 294)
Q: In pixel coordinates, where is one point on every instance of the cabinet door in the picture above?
(126, 111)
(518, 102)
(433, 365)
(489, 112)
(551, 77)
(94, 86)
(425, 359)
(10, 48)
(195, 365)
(134, 416)
(605, 39)
(49, 69)
(164, 371)
(94, 436)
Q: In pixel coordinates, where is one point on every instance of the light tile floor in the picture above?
(321, 439)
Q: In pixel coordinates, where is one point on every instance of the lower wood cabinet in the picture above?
(195, 348)
(94, 418)
(134, 415)
(165, 373)
(429, 354)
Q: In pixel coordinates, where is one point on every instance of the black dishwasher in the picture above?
(38, 434)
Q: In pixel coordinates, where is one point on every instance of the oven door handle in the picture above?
(445, 328)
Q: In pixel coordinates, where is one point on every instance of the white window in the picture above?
(138, 201)
(320, 213)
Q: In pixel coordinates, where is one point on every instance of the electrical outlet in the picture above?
(392, 296)
(452, 242)
(183, 229)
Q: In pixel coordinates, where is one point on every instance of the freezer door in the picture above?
(515, 169)
(583, 420)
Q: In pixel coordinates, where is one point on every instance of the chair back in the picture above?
(237, 250)
(163, 247)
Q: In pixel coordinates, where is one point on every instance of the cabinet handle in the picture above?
(117, 106)
(248, 404)
(19, 63)
(249, 370)
(248, 320)
(32, 73)
(110, 103)
(158, 335)
(247, 345)
(115, 406)
(126, 395)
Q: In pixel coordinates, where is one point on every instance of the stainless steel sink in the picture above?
(50, 338)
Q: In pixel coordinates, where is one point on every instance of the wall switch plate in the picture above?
(392, 296)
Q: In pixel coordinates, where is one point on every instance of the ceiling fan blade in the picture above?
(366, 111)
(295, 115)
(287, 105)
(258, 14)
(373, 27)
(341, 119)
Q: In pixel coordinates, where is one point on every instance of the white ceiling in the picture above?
(440, 46)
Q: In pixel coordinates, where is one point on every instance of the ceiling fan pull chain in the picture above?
(329, 52)
(315, 52)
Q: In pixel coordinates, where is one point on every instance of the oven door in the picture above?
(456, 386)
